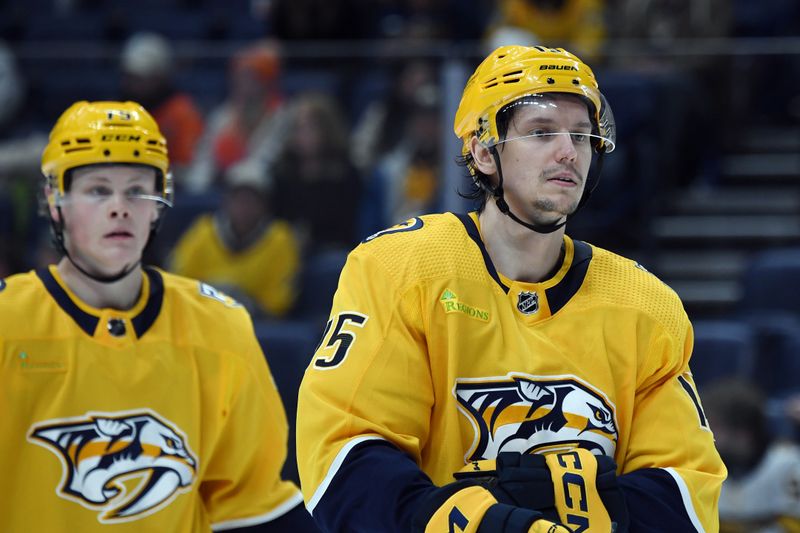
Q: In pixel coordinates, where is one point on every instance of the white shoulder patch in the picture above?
(210, 292)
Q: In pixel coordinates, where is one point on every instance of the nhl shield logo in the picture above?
(528, 302)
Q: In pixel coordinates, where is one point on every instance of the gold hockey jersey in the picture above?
(160, 418)
(429, 348)
(265, 270)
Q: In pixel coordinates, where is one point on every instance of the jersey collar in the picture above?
(141, 316)
(560, 288)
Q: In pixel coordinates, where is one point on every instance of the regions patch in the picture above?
(451, 304)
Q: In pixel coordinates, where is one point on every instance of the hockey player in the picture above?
(487, 373)
(131, 399)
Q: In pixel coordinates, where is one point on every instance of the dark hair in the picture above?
(479, 183)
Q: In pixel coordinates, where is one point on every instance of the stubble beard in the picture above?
(547, 211)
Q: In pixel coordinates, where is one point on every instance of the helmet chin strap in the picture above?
(593, 178)
(58, 234)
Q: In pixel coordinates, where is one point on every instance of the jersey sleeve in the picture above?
(672, 473)
(241, 485)
(365, 403)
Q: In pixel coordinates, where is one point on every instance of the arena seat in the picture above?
(771, 282)
(722, 348)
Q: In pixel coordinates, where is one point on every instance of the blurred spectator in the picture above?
(762, 492)
(405, 182)
(693, 89)
(577, 25)
(317, 19)
(21, 145)
(249, 126)
(383, 123)
(147, 69)
(242, 249)
(663, 21)
(318, 186)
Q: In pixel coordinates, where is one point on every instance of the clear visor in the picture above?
(546, 117)
(101, 195)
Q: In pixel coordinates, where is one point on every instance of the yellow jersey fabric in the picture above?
(577, 24)
(429, 348)
(160, 418)
(265, 270)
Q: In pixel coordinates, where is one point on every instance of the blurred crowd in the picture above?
(284, 160)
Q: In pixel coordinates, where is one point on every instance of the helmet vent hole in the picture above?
(487, 86)
(512, 81)
(136, 153)
(576, 81)
(83, 140)
(107, 152)
(551, 81)
(509, 74)
(152, 141)
(65, 143)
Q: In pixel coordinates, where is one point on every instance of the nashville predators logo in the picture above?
(535, 414)
(124, 465)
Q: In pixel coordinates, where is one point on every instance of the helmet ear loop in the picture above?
(57, 230)
(497, 192)
(593, 180)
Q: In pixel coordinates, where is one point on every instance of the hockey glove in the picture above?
(467, 507)
(576, 488)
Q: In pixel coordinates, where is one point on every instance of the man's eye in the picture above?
(99, 191)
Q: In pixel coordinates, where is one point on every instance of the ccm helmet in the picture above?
(99, 133)
(513, 72)
(91, 133)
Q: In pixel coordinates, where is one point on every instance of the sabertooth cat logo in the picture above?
(533, 414)
(124, 465)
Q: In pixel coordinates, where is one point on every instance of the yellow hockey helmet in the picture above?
(91, 133)
(513, 72)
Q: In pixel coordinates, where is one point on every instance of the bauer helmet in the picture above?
(513, 72)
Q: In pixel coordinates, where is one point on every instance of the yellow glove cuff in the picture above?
(462, 511)
(579, 506)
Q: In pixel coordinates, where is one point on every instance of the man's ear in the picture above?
(482, 157)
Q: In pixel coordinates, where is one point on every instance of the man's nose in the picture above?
(565, 148)
(119, 206)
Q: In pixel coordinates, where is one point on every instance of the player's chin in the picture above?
(114, 259)
(553, 211)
